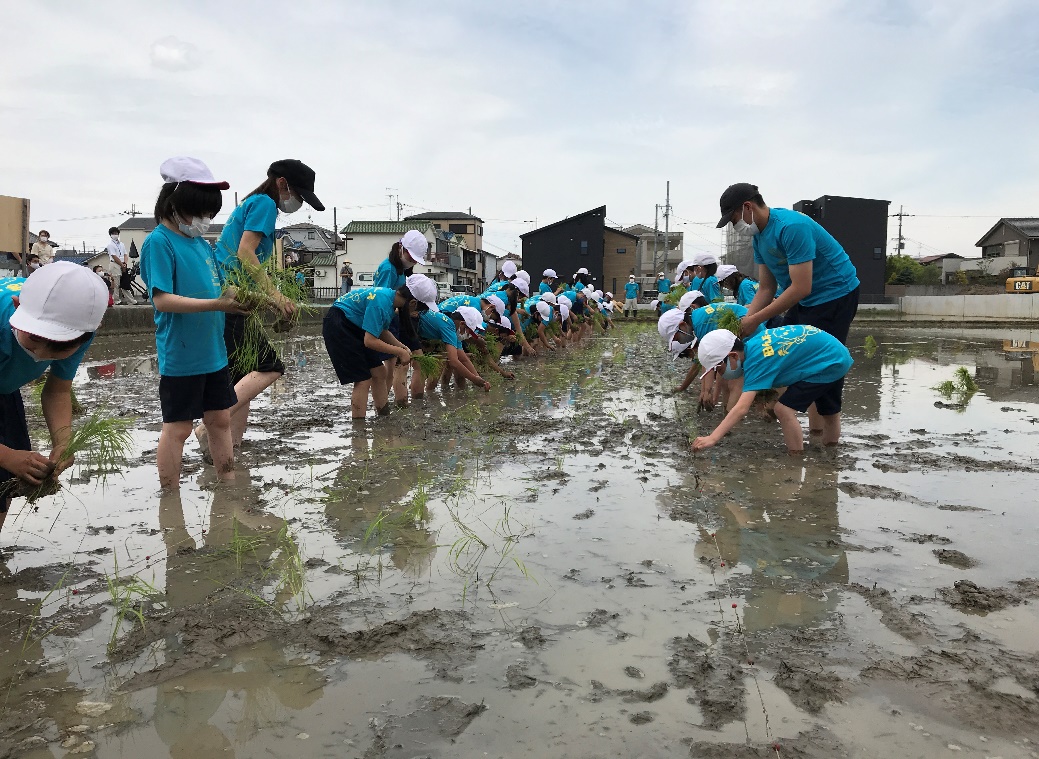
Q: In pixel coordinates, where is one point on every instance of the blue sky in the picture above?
(530, 110)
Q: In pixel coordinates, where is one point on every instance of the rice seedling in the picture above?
(870, 346)
(554, 329)
(36, 615)
(962, 386)
(726, 318)
(964, 382)
(99, 443)
(530, 332)
(289, 569)
(128, 595)
(675, 295)
(429, 365)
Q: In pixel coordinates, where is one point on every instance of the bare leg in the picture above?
(170, 453)
(387, 378)
(831, 429)
(248, 387)
(793, 435)
(417, 383)
(815, 420)
(400, 385)
(380, 388)
(359, 398)
(218, 423)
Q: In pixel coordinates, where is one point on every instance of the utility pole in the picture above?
(133, 211)
(394, 198)
(901, 240)
(667, 219)
(656, 232)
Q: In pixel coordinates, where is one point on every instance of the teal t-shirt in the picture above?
(747, 290)
(793, 238)
(17, 367)
(388, 276)
(186, 344)
(257, 213)
(796, 353)
(433, 325)
(665, 307)
(710, 288)
(631, 290)
(451, 304)
(705, 319)
(370, 308)
(663, 286)
(496, 287)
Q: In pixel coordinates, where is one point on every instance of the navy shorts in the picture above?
(14, 433)
(234, 336)
(344, 341)
(834, 316)
(185, 399)
(826, 396)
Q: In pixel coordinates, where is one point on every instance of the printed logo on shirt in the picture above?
(11, 285)
(786, 339)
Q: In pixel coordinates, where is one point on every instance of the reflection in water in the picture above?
(144, 365)
(781, 523)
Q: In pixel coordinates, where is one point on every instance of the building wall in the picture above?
(1010, 244)
(567, 246)
(473, 240)
(616, 266)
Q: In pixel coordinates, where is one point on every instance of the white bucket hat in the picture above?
(524, 275)
(473, 319)
(562, 300)
(60, 301)
(424, 289)
(687, 299)
(714, 347)
(544, 309)
(521, 283)
(498, 303)
(724, 271)
(509, 268)
(667, 324)
(549, 298)
(416, 244)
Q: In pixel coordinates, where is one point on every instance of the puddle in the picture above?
(545, 570)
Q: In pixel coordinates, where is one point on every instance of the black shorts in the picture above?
(14, 432)
(826, 397)
(512, 349)
(344, 342)
(413, 344)
(185, 399)
(833, 316)
(234, 336)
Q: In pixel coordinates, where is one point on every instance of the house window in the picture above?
(479, 231)
(621, 251)
(878, 254)
(584, 247)
(436, 226)
(458, 229)
(311, 235)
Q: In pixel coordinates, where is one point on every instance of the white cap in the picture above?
(598, 294)
(185, 169)
(524, 275)
(544, 309)
(675, 347)
(473, 318)
(562, 300)
(60, 301)
(667, 324)
(631, 276)
(550, 273)
(521, 283)
(564, 312)
(683, 266)
(660, 276)
(503, 323)
(416, 244)
(704, 259)
(424, 289)
(609, 295)
(549, 298)
(498, 303)
(714, 347)
(509, 268)
(653, 303)
(687, 299)
(582, 270)
(608, 307)
(725, 270)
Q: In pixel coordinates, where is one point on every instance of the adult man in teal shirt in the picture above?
(631, 296)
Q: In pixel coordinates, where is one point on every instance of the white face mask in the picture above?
(199, 226)
(289, 204)
(28, 352)
(44, 238)
(115, 238)
(741, 225)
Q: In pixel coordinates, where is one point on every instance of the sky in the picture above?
(528, 112)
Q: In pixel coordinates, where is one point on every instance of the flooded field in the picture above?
(546, 571)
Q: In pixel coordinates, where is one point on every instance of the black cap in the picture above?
(735, 195)
(300, 178)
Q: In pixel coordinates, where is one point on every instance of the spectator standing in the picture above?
(631, 296)
(42, 248)
(117, 268)
(346, 278)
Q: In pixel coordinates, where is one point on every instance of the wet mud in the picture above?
(544, 570)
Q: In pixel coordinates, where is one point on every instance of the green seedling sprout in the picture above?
(674, 295)
(726, 318)
(428, 365)
(870, 346)
(963, 386)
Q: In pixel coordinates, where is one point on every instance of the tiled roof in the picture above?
(324, 259)
(384, 227)
(443, 215)
(147, 223)
(1029, 227)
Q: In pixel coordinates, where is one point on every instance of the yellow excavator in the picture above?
(1020, 281)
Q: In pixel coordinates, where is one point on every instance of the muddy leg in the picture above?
(170, 453)
(380, 388)
(793, 435)
(815, 420)
(218, 423)
(359, 397)
(831, 429)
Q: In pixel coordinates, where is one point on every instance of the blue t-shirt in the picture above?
(665, 307)
(17, 367)
(496, 287)
(705, 319)
(796, 353)
(386, 276)
(544, 287)
(370, 308)
(663, 286)
(187, 344)
(710, 288)
(257, 213)
(746, 291)
(451, 304)
(437, 326)
(793, 238)
(631, 290)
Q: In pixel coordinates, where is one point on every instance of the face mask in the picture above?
(44, 238)
(28, 352)
(115, 238)
(733, 374)
(289, 204)
(197, 227)
(741, 225)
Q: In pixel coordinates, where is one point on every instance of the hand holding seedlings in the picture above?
(28, 466)
(229, 303)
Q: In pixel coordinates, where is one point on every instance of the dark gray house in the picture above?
(1012, 242)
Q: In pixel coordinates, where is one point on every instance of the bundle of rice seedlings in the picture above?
(726, 318)
(428, 365)
(554, 329)
(963, 386)
(100, 443)
(870, 346)
(492, 343)
(675, 295)
(530, 332)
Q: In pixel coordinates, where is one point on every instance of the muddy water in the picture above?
(546, 571)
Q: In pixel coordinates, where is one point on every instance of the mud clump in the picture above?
(954, 558)
(439, 720)
(810, 690)
(586, 514)
(531, 637)
(641, 718)
(929, 538)
(433, 633)
(815, 744)
(518, 679)
(600, 617)
(715, 677)
(966, 596)
(892, 615)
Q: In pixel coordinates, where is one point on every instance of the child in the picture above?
(434, 325)
(46, 322)
(180, 270)
(705, 265)
(742, 287)
(357, 335)
(809, 363)
(405, 254)
(247, 243)
(548, 281)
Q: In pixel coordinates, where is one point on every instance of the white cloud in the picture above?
(172, 54)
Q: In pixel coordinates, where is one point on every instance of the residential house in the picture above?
(1010, 243)
(492, 265)
(458, 222)
(136, 228)
(652, 253)
(580, 241)
(307, 240)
